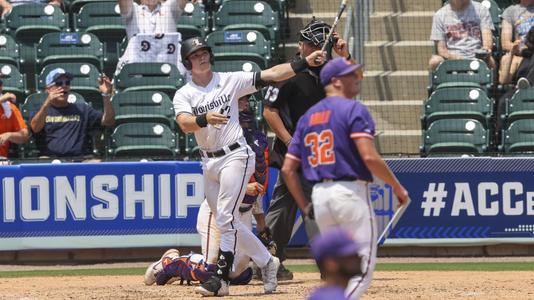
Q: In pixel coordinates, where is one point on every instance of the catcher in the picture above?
(196, 267)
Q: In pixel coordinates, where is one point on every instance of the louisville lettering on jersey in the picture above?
(219, 101)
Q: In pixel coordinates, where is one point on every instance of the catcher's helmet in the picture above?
(191, 45)
(315, 32)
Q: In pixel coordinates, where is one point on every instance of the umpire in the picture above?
(284, 105)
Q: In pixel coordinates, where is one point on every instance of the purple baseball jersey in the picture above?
(328, 292)
(323, 141)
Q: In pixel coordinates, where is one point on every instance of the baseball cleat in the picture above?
(215, 286)
(268, 273)
(156, 267)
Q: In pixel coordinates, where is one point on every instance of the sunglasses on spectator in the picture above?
(62, 83)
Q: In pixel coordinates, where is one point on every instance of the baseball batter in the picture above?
(207, 106)
(334, 145)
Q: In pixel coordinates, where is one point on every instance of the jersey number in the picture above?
(271, 94)
(321, 146)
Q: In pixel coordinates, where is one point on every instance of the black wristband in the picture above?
(349, 57)
(202, 120)
(299, 65)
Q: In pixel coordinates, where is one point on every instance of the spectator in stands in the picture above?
(462, 29)
(152, 16)
(516, 22)
(12, 126)
(7, 5)
(62, 128)
(336, 255)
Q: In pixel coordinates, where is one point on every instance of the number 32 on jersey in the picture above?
(321, 148)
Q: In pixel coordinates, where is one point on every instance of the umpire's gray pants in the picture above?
(282, 212)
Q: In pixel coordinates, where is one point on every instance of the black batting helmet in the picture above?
(191, 45)
(315, 32)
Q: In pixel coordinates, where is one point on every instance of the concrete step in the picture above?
(406, 5)
(397, 85)
(397, 56)
(396, 115)
(391, 142)
(408, 26)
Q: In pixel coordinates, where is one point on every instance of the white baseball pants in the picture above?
(347, 204)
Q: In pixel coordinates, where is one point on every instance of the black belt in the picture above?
(244, 209)
(221, 152)
(344, 178)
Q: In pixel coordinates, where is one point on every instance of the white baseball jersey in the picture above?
(163, 19)
(219, 96)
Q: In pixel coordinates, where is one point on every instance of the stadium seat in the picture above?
(62, 47)
(238, 45)
(149, 77)
(495, 12)
(32, 104)
(520, 106)
(14, 81)
(518, 137)
(235, 65)
(143, 140)
(455, 136)
(9, 50)
(102, 19)
(248, 15)
(85, 81)
(143, 106)
(29, 22)
(188, 144)
(462, 73)
(457, 103)
(76, 5)
(193, 22)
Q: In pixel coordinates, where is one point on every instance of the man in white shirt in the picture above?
(151, 16)
(208, 107)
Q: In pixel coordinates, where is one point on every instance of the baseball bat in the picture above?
(342, 7)
(393, 221)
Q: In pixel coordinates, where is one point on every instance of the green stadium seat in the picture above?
(62, 47)
(76, 5)
(14, 81)
(102, 19)
(33, 103)
(518, 137)
(85, 81)
(251, 15)
(29, 22)
(189, 146)
(193, 22)
(462, 73)
(235, 65)
(240, 45)
(143, 106)
(9, 50)
(149, 77)
(458, 103)
(143, 140)
(495, 12)
(520, 106)
(455, 136)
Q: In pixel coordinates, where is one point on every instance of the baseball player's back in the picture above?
(326, 131)
(333, 143)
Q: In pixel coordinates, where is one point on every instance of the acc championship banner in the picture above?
(60, 206)
(466, 201)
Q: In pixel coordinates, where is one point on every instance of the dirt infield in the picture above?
(387, 285)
